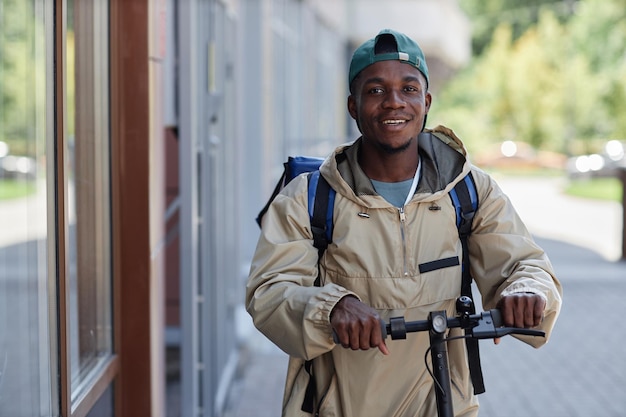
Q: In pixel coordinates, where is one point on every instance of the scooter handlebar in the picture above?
(483, 325)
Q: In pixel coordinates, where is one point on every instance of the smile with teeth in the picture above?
(394, 121)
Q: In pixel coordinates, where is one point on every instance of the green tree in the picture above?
(17, 73)
(487, 15)
(557, 86)
(598, 33)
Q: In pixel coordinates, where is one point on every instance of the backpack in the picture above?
(321, 198)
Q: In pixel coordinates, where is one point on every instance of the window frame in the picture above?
(102, 376)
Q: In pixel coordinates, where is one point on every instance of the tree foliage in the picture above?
(487, 15)
(558, 86)
(12, 69)
(20, 74)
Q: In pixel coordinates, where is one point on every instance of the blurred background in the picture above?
(140, 138)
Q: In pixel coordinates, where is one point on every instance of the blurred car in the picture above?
(608, 163)
(518, 155)
(15, 167)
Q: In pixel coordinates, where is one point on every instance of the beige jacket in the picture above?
(377, 259)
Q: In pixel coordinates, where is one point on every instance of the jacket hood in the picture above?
(443, 158)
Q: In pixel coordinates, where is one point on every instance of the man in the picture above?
(392, 215)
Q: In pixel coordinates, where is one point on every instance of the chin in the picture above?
(394, 149)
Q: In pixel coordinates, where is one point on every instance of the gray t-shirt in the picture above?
(394, 192)
(397, 193)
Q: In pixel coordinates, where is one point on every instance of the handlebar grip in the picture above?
(503, 331)
(383, 331)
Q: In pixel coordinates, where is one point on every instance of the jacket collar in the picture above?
(442, 155)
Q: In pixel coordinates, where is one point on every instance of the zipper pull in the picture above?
(402, 216)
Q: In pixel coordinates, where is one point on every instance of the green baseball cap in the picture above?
(407, 50)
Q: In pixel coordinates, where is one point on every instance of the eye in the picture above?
(411, 89)
(375, 90)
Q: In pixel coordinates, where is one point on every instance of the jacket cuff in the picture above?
(523, 289)
(335, 295)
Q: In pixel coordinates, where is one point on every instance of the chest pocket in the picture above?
(439, 264)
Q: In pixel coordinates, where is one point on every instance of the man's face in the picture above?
(389, 103)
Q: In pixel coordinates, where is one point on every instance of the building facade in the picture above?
(138, 140)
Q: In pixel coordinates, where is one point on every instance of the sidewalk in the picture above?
(580, 372)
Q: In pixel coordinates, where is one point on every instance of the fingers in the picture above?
(536, 311)
(383, 348)
(362, 333)
(523, 310)
(357, 326)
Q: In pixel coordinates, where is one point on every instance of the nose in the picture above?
(394, 100)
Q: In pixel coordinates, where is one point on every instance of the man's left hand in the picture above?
(523, 310)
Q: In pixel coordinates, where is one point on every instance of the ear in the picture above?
(428, 100)
(352, 106)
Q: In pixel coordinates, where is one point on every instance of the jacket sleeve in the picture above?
(280, 294)
(505, 259)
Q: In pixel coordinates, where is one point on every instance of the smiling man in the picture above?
(395, 251)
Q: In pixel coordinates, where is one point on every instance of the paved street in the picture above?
(580, 372)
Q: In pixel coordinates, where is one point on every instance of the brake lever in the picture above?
(489, 327)
(503, 331)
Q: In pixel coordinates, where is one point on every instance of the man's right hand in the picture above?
(357, 325)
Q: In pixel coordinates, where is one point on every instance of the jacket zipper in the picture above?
(402, 234)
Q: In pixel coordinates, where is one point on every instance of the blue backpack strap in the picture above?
(321, 204)
(465, 200)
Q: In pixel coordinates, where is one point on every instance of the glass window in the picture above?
(87, 176)
(27, 368)
(30, 250)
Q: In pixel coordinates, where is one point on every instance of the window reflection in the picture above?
(28, 282)
(88, 197)
(25, 368)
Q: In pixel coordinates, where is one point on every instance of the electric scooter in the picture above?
(483, 325)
